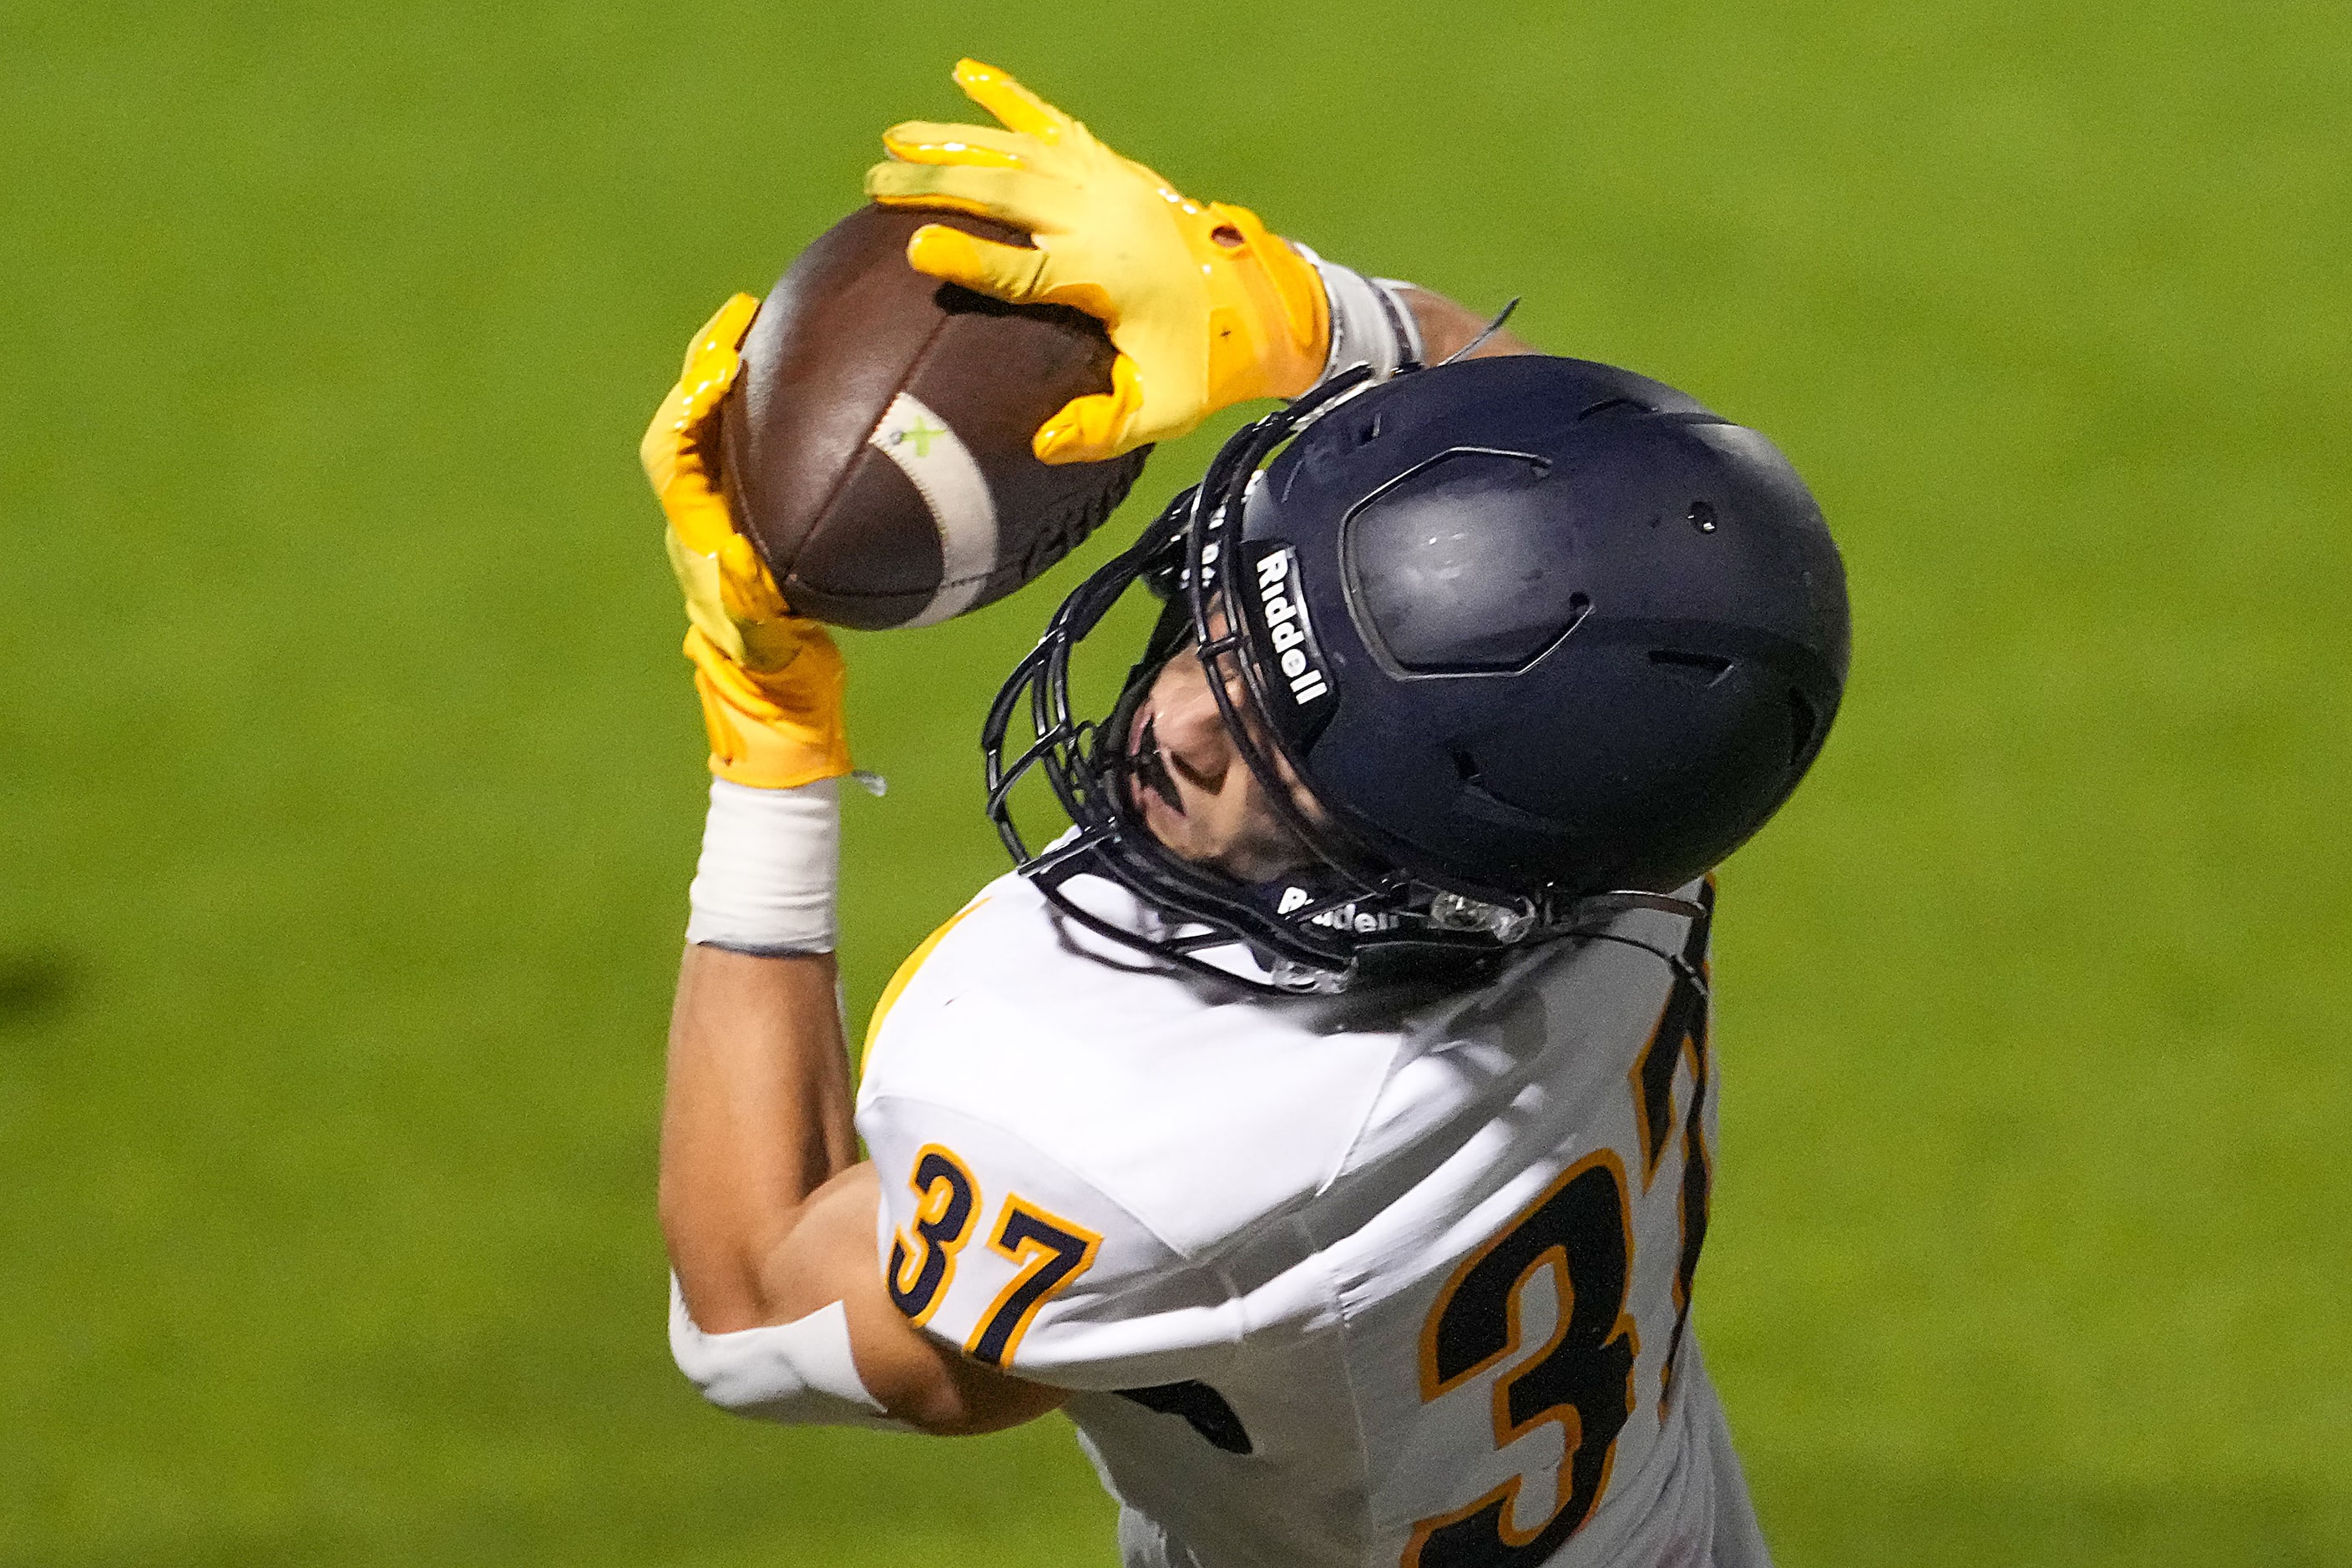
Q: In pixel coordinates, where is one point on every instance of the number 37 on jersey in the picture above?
(1045, 1250)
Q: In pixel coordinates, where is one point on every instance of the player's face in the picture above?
(1194, 790)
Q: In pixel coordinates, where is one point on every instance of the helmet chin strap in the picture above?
(1474, 344)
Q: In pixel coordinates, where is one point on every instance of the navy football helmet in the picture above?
(1541, 637)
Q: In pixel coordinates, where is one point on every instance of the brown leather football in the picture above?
(875, 447)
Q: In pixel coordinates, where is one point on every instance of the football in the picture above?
(876, 444)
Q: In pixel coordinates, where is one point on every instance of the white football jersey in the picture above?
(1398, 1277)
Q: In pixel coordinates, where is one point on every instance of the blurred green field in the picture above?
(349, 778)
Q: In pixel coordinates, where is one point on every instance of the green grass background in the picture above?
(349, 777)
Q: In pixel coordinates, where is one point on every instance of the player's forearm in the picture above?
(1447, 327)
(756, 1118)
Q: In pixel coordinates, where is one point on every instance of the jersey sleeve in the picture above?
(991, 1246)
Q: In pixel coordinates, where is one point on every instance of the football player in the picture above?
(1325, 1121)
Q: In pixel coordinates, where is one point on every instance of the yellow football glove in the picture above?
(1204, 305)
(771, 681)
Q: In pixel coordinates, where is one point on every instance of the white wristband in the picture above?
(800, 1373)
(1369, 321)
(770, 862)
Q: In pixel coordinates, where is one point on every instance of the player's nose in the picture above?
(1190, 728)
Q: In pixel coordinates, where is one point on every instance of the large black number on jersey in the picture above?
(1047, 1252)
(1584, 1378)
(921, 1267)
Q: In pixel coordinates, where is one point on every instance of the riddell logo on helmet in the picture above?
(1287, 629)
(1346, 917)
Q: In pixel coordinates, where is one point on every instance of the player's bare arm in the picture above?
(769, 1222)
(770, 1217)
